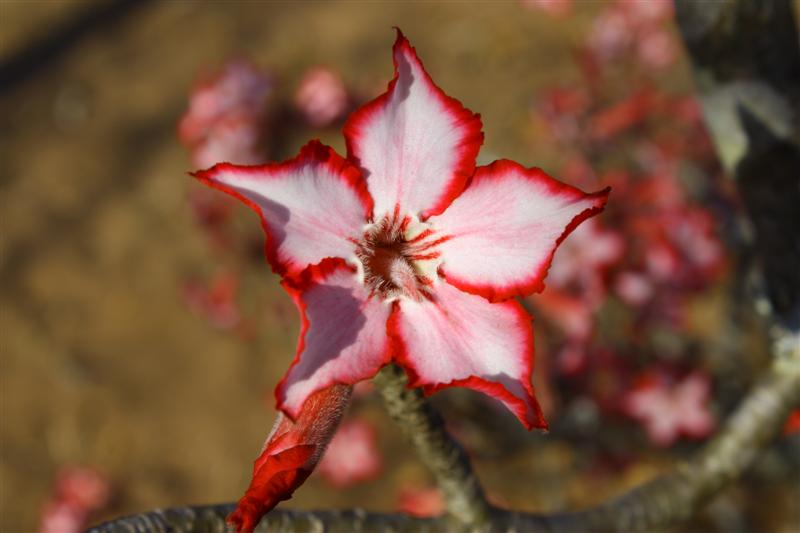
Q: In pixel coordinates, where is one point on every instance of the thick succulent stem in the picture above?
(448, 462)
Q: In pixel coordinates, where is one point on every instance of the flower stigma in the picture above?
(397, 257)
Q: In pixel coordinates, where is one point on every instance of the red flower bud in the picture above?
(290, 454)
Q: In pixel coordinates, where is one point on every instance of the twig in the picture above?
(674, 497)
(449, 463)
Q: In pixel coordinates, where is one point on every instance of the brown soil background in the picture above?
(102, 363)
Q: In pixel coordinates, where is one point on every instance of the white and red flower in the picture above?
(405, 251)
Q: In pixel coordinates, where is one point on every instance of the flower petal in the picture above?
(504, 228)
(311, 207)
(415, 145)
(459, 339)
(343, 336)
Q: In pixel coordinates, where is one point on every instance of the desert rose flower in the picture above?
(405, 252)
(352, 456)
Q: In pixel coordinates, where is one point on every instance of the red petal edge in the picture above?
(495, 390)
(310, 276)
(313, 152)
(470, 145)
(534, 283)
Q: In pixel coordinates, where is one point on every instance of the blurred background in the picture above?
(143, 333)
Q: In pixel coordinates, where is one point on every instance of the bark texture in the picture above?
(448, 461)
(746, 60)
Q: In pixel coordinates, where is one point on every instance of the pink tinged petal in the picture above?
(311, 207)
(416, 145)
(459, 339)
(343, 335)
(504, 228)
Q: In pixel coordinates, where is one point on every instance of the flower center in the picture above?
(398, 257)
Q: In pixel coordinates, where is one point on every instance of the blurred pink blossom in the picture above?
(582, 260)
(657, 49)
(633, 26)
(646, 11)
(421, 502)
(321, 96)
(555, 8)
(610, 35)
(561, 108)
(352, 456)
(635, 289)
(669, 410)
(215, 301)
(78, 492)
(226, 115)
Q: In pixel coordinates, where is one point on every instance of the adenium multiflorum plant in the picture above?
(401, 252)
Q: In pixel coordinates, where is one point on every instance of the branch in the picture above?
(674, 497)
(665, 501)
(450, 465)
(211, 518)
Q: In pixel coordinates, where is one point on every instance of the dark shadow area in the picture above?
(333, 327)
(58, 41)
